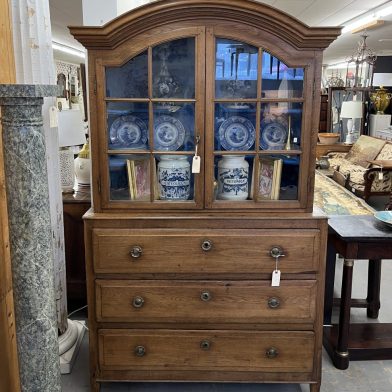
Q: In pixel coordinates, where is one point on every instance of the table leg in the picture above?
(373, 293)
(329, 282)
(341, 355)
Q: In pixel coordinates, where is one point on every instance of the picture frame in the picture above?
(270, 172)
(138, 171)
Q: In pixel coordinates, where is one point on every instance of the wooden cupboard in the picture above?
(204, 118)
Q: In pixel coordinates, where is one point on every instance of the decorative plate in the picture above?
(237, 133)
(129, 132)
(384, 216)
(169, 133)
(273, 136)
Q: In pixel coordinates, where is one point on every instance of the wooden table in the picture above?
(364, 238)
(74, 207)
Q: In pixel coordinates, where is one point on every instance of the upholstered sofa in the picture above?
(363, 178)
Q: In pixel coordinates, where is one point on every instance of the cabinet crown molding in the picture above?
(163, 12)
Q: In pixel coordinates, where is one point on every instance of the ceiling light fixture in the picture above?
(68, 49)
(371, 20)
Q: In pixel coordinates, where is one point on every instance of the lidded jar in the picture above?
(233, 175)
(174, 177)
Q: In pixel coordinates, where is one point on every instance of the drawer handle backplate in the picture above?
(205, 345)
(206, 245)
(205, 296)
(138, 302)
(276, 252)
(272, 352)
(140, 351)
(273, 302)
(136, 252)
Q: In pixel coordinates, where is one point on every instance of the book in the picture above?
(270, 171)
(139, 178)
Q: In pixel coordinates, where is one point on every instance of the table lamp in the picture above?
(71, 133)
(381, 98)
(351, 110)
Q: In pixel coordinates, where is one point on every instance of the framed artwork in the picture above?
(139, 179)
(270, 171)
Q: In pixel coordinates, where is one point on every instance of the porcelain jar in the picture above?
(174, 177)
(233, 174)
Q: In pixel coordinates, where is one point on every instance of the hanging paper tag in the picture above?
(380, 176)
(275, 278)
(196, 164)
(53, 118)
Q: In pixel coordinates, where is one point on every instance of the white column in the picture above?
(35, 65)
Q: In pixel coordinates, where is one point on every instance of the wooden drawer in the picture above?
(206, 302)
(206, 350)
(232, 251)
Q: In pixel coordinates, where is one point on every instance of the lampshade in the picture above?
(382, 79)
(351, 109)
(71, 129)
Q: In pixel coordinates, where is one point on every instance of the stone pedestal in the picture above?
(30, 235)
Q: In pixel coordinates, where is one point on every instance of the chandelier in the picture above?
(363, 60)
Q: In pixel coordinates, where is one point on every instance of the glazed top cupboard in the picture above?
(233, 83)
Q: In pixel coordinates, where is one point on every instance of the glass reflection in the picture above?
(279, 80)
(129, 80)
(235, 69)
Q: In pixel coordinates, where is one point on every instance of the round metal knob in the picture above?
(273, 302)
(206, 245)
(205, 296)
(272, 352)
(205, 345)
(276, 251)
(138, 302)
(140, 351)
(136, 252)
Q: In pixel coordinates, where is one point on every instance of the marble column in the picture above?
(30, 235)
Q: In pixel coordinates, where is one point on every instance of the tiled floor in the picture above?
(361, 376)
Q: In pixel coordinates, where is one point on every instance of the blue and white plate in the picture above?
(169, 133)
(129, 132)
(273, 136)
(384, 216)
(237, 133)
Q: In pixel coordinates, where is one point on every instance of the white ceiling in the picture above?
(311, 12)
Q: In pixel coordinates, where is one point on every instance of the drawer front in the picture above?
(206, 350)
(203, 251)
(206, 302)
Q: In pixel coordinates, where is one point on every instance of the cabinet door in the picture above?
(254, 125)
(153, 122)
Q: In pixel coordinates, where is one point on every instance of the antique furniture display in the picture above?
(360, 238)
(204, 259)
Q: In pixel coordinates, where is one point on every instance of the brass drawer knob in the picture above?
(140, 351)
(138, 302)
(205, 296)
(205, 345)
(272, 352)
(206, 245)
(136, 252)
(273, 302)
(276, 252)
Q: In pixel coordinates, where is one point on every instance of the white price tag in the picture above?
(275, 278)
(196, 164)
(295, 140)
(380, 176)
(53, 117)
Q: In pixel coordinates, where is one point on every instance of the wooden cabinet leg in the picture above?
(315, 387)
(373, 292)
(95, 386)
(341, 356)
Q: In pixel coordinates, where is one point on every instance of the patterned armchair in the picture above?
(364, 180)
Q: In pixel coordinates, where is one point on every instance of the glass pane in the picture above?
(175, 182)
(280, 81)
(233, 177)
(235, 125)
(174, 126)
(173, 69)
(129, 177)
(127, 125)
(235, 69)
(129, 80)
(280, 127)
(278, 177)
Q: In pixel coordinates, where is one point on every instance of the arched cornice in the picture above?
(164, 12)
